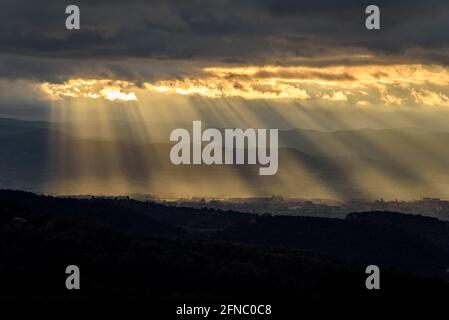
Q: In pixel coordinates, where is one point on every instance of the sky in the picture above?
(137, 69)
(261, 63)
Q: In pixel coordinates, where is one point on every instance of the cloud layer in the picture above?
(35, 44)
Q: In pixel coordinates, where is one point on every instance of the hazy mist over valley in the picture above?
(73, 158)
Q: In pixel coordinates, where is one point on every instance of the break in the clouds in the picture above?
(361, 86)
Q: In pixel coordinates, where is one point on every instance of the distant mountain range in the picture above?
(391, 163)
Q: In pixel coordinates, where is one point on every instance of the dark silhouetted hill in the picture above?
(142, 250)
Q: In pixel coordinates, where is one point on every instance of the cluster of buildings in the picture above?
(318, 207)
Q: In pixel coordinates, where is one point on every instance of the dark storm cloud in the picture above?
(295, 7)
(246, 31)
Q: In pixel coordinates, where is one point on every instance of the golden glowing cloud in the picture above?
(428, 97)
(218, 88)
(361, 85)
(336, 96)
(115, 94)
(90, 88)
(386, 84)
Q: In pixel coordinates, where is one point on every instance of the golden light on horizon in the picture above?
(115, 94)
(216, 88)
(359, 86)
(393, 84)
(91, 88)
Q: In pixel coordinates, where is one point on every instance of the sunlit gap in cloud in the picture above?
(90, 88)
(363, 85)
(388, 85)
